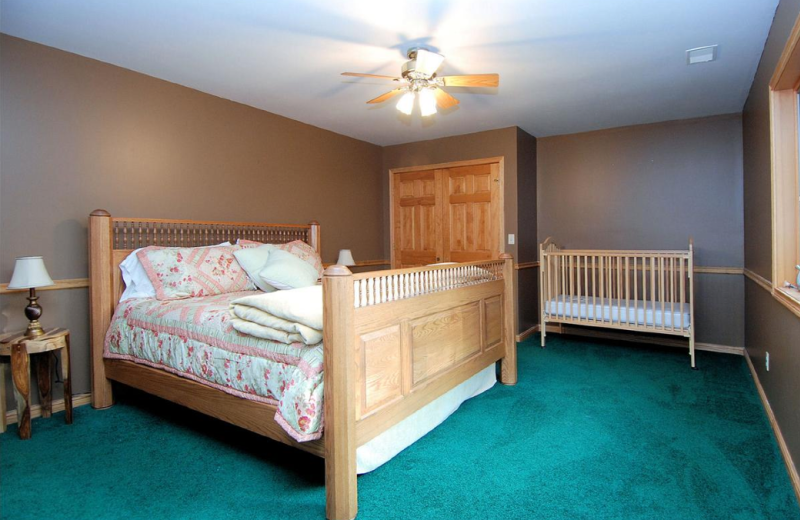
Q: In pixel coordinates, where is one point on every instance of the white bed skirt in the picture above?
(382, 448)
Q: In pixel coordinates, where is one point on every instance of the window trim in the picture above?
(784, 122)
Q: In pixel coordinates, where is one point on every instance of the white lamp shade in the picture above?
(345, 258)
(29, 271)
(428, 62)
(406, 103)
(427, 102)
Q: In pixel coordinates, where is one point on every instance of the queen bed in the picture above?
(401, 349)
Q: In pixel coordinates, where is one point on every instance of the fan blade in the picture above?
(384, 97)
(360, 75)
(443, 99)
(472, 80)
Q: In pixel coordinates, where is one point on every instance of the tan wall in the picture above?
(78, 134)
(652, 187)
(770, 327)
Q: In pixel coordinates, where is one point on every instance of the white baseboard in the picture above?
(58, 406)
(631, 336)
(787, 456)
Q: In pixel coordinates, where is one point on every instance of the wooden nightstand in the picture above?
(20, 348)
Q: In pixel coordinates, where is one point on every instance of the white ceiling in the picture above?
(565, 65)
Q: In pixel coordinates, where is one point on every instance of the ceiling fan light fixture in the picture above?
(427, 102)
(406, 103)
(427, 62)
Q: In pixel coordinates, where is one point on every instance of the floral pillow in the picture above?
(298, 248)
(188, 272)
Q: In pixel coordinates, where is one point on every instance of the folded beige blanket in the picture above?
(284, 316)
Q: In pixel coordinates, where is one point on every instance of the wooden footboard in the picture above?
(397, 340)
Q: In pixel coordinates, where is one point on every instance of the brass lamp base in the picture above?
(34, 329)
(33, 312)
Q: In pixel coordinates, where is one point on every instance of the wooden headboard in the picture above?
(111, 240)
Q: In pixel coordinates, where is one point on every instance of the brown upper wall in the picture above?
(526, 197)
(480, 145)
(646, 187)
(79, 134)
(757, 151)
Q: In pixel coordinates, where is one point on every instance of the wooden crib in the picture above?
(644, 291)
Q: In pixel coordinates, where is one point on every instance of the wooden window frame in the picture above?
(784, 121)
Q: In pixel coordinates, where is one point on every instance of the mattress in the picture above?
(193, 338)
(636, 312)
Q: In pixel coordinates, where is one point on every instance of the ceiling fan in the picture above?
(418, 76)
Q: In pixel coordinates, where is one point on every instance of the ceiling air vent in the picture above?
(701, 55)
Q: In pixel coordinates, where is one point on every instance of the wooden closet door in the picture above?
(470, 216)
(416, 231)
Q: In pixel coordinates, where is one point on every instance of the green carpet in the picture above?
(593, 430)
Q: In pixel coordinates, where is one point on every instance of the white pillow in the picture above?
(286, 271)
(137, 284)
(253, 261)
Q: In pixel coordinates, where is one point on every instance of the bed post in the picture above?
(340, 393)
(691, 301)
(315, 237)
(101, 306)
(508, 365)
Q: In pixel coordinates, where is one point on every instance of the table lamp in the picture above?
(30, 273)
(345, 258)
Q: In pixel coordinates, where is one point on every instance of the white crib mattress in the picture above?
(637, 312)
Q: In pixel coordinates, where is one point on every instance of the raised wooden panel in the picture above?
(415, 213)
(480, 236)
(425, 231)
(493, 318)
(442, 340)
(482, 183)
(427, 187)
(407, 227)
(406, 189)
(380, 369)
(458, 226)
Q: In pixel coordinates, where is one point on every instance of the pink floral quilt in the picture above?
(193, 338)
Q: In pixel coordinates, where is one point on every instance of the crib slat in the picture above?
(563, 290)
(578, 285)
(594, 288)
(601, 280)
(609, 288)
(627, 291)
(683, 293)
(586, 283)
(653, 288)
(619, 290)
(672, 292)
(661, 291)
(570, 286)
